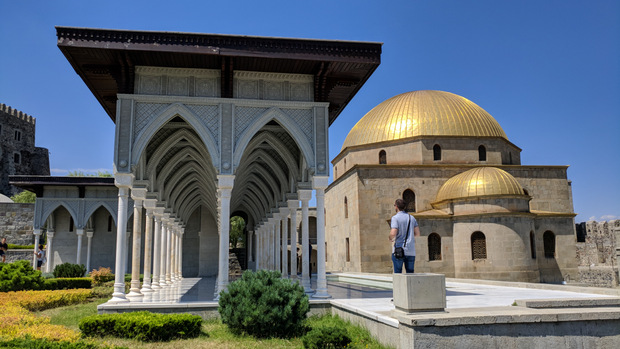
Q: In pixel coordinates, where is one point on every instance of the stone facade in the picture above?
(599, 254)
(16, 223)
(18, 154)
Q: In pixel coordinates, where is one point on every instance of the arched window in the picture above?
(110, 222)
(335, 172)
(482, 153)
(409, 199)
(345, 165)
(478, 246)
(71, 223)
(549, 244)
(382, 158)
(532, 245)
(348, 255)
(510, 158)
(436, 152)
(434, 247)
(346, 208)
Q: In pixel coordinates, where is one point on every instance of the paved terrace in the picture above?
(479, 313)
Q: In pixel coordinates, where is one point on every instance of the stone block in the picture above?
(419, 292)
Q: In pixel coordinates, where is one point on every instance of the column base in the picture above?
(146, 289)
(134, 295)
(322, 294)
(118, 299)
(155, 286)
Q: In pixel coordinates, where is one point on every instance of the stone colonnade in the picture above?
(272, 237)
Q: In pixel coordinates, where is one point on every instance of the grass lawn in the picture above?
(214, 333)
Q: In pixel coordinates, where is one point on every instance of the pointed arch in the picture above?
(285, 121)
(48, 211)
(175, 109)
(111, 210)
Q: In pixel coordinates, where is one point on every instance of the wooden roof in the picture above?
(106, 60)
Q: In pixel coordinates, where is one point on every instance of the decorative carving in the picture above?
(178, 86)
(301, 92)
(247, 89)
(274, 90)
(303, 118)
(243, 117)
(150, 85)
(209, 115)
(206, 88)
(145, 112)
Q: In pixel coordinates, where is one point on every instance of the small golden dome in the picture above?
(423, 113)
(480, 181)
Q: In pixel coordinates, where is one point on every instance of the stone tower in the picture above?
(18, 155)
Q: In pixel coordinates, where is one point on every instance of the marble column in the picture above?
(224, 189)
(49, 251)
(80, 233)
(162, 252)
(134, 291)
(181, 234)
(123, 182)
(89, 243)
(250, 246)
(277, 221)
(284, 216)
(168, 252)
(304, 197)
(293, 204)
(319, 184)
(37, 238)
(148, 248)
(156, 251)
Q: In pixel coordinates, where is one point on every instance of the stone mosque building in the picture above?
(482, 214)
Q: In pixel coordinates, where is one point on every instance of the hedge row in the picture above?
(41, 300)
(67, 283)
(142, 325)
(33, 343)
(20, 276)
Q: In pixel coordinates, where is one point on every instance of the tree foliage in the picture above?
(237, 226)
(78, 173)
(25, 197)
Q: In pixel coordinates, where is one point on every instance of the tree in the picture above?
(25, 197)
(237, 224)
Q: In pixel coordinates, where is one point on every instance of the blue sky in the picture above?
(548, 71)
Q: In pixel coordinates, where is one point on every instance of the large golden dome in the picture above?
(423, 113)
(480, 181)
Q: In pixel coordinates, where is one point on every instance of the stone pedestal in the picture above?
(419, 292)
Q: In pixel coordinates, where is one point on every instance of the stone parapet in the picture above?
(16, 223)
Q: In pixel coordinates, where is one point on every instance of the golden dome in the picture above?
(480, 181)
(423, 113)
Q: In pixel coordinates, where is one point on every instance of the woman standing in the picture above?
(40, 256)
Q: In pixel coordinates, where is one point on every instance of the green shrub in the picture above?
(326, 337)
(19, 276)
(20, 247)
(69, 270)
(263, 304)
(142, 326)
(67, 283)
(101, 276)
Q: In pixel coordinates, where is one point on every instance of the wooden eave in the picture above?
(106, 60)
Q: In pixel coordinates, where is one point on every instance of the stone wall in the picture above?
(598, 255)
(16, 223)
(18, 154)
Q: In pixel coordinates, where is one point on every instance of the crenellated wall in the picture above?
(18, 154)
(599, 254)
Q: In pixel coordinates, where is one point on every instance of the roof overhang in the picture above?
(106, 60)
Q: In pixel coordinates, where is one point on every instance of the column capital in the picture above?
(89, 233)
(36, 231)
(123, 180)
(79, 232)
(304, 194)
(293, 205)
(320, 182)
(50, 233)
(284, 211)
(225, 181)
(138, 193)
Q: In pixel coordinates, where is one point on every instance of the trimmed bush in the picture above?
(326, 337)
(19, 276)
(143, 326)
(69, 270)
(20, 247)
(67, 283)
(41, 300)
(101, 276)
(264, 305)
